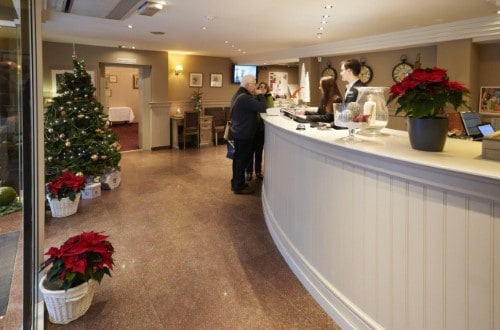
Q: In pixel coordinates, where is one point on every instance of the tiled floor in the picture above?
(189, 253)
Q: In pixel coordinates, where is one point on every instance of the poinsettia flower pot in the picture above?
(65, 306)
(63, 207)
(428, 134)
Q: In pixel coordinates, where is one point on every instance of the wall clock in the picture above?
(329, 71)
(366, 73)
(401, 70)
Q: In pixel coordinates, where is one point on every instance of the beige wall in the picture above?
(58, 56)
(473, 64)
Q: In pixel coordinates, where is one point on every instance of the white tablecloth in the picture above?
(121, 114)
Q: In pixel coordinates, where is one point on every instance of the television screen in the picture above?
(241, 70)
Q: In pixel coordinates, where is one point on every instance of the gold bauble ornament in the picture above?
(51, 130)
(79, 174)
(94, 157)
(68, 144)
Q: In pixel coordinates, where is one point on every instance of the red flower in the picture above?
(82, 257)
(425, 92)
(66, 184)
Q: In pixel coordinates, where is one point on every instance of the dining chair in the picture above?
(218, 122)
(191, 126)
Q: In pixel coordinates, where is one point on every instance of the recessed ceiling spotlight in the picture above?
(130, 26)
(159, 33)
(328, 6)
(226, 42)
(204, 28)
(324, 22)
(326, 16)
(321, 28)
(319, 35)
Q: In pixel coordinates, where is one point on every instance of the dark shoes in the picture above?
(244, 191)
(259, 176)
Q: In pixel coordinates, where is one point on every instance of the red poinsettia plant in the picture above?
(81, 258)
(425, 92)
(66, 184)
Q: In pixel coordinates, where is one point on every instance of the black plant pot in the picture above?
(428, 134)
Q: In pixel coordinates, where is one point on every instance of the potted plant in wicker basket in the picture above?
(422, 96)
(77, 266)
(64, 194)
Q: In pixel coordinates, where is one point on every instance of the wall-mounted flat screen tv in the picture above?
(241, 70)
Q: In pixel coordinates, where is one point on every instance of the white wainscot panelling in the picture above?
(378, 245)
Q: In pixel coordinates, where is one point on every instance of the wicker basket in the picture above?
(65, 306)
(64, 207)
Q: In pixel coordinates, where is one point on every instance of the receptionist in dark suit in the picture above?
(349, 72)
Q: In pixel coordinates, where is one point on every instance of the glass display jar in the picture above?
(372, 101)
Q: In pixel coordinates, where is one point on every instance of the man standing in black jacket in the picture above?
(245, 104)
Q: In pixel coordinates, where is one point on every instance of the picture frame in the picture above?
(216, 80)
(108, 92)
(195, 79)
(489, 99)
(113, 78)
(135, 81)
(58, 77)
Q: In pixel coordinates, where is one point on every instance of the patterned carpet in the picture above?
(128, 135)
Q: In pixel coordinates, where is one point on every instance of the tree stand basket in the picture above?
(64, 207)
(65, 306)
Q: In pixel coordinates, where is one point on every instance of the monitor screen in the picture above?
(471, 120)
(486, 129)
(241, 70)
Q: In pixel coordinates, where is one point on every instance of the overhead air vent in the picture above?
(149, 8)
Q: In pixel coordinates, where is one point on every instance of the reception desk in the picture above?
(384, 236)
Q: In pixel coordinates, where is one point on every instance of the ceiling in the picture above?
(251, 31)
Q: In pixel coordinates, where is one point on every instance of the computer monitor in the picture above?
(486, 129)
(471, 120)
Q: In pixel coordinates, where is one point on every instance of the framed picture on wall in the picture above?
(135, 81)
(489, 99)
(196, 80)
(58, 78)
(216, 80)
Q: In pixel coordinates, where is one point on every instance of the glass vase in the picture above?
(372, 101)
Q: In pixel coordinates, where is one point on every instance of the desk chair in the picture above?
(191, 126)
(218, 122)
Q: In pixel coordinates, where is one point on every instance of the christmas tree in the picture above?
(78, 136)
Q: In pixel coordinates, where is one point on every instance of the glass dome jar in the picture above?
(373, 103)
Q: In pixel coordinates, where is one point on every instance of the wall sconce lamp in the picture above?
(178, 69)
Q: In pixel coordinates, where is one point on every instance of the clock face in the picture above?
(329, 71)
(400, 71)
(366, 74)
